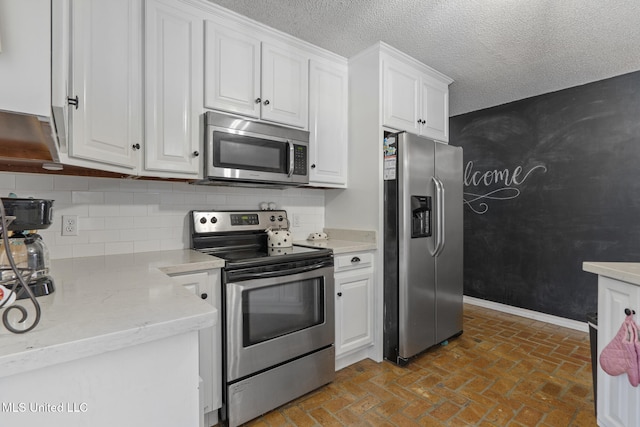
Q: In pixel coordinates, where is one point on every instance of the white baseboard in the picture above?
(529, 314)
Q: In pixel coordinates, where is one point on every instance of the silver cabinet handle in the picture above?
(290, 172)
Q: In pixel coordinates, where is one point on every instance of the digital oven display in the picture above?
(244, 219)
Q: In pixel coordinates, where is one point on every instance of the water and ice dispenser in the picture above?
(420, 216)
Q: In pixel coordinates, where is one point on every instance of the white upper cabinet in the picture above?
(285, 85)
(26, 54)
(174, 87)
(435, 109)
(415, 100)
(106, 82)
(328, 124)
(255, 78)
(401, 97)
(232, 64)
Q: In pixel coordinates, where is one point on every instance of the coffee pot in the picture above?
(27, 248)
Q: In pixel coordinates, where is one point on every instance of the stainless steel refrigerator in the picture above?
(423, 245)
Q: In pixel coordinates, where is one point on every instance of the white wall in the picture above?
(119, 216)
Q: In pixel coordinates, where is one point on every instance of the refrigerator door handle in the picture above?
(440, 237)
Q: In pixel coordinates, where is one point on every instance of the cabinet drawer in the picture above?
(352, 261)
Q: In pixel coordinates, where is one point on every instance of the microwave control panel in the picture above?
(299, 160)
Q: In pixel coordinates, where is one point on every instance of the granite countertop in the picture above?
(626, 271)
(106, 303)
(344, 241)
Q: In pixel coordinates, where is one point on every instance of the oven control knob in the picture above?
(272, 218)
(214, 220)
(203, 220)
(280, 218)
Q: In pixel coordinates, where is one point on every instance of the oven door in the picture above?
(276, 316)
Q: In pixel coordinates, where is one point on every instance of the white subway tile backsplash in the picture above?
(118, 222)
(122, 216)
(118, 198)
(87, 197)
(65, 182)
(133, 185)
(160, 186)
(7, 183)
(172, 199)
(91, 223)
(30, 182)
(133, 210)
(146, 198)
(118, 248)
(103, 184)
(104, 210)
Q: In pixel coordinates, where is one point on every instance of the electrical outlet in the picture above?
(69, 225)
(296, 220)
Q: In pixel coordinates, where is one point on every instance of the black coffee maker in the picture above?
(26, 245)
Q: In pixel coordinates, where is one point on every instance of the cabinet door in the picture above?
(25, 64)
(401, 96)
(617, 399)
(203, 284)
(327, 124)
(106, 79)
(174, 87)
(232, 70)
(285, 85)
(354, 307)
(435, 109)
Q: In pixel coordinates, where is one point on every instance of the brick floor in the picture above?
(504, 370)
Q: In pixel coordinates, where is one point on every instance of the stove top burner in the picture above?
(239, 237)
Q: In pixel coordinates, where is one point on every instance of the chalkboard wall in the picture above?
(550, 182)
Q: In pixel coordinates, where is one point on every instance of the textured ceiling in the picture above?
(497, 51)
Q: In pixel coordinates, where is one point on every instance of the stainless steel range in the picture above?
(277, 314)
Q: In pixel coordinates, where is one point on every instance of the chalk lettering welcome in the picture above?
(506, 180)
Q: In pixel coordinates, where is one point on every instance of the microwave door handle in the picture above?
(290, 145)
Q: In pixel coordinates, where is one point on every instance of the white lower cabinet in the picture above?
(206, 285)
(150, 384)
(354, 305)
(617, 399)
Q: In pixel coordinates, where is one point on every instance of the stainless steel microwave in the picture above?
(239, 151)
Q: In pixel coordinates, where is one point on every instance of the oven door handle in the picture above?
(268, 274)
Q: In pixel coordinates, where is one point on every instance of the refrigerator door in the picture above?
(449, 261)
(416, 266)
